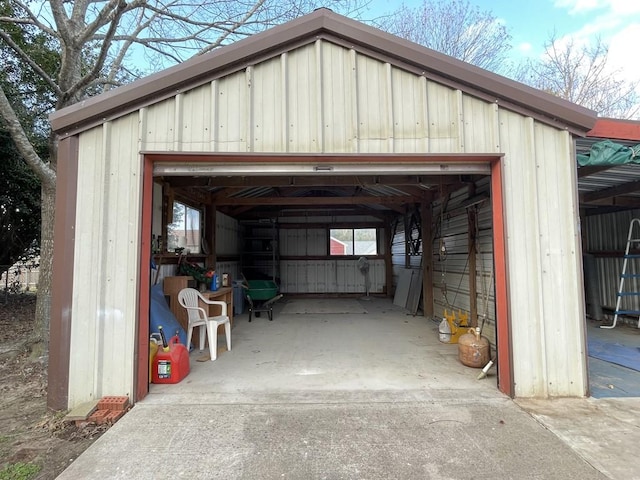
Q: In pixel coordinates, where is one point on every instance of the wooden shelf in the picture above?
(171, 258)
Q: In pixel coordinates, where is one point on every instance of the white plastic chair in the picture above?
(188, 298)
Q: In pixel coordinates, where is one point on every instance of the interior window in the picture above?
(353, 241)
(185, 230)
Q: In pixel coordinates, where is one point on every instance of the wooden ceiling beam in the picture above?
(304, 201)
(618, 190)
(310, 181)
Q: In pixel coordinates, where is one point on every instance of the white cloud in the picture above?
(623, 52)
(615, 7)
(579, 6)
(525, 48)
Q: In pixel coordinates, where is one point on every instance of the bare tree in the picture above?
(98, 40)
(581, 74)
(455, 28)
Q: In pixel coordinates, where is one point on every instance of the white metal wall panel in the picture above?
(360, 107)
(158, 126)
(232, 112)
(302, 93)
(106, 262)
(561, 260)
(339, 102)
(330, 276)
(267, 118)
(296, 242)
(547, 329)
(322, 98)
(227, 235)
(194, 119)
(522, 220)
(444, 111)
(374, 106)
(480, 125)
(410, 127)
(317, 241)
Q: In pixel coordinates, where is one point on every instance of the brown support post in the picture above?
(388, 266)
(210, 233)
(426, 218)
(407, 237)
(473, 284)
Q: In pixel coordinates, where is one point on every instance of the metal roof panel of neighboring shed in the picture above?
(606, 188)
(327, 25)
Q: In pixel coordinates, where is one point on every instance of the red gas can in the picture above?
(171, 364)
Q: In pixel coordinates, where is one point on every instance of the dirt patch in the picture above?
(29, 433)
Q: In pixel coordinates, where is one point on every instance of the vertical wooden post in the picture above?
(426, 218)
(473, 287)
(505, 359)
(407, 238)
(388, 265)
(210, 233)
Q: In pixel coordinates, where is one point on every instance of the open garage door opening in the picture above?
(374, 251)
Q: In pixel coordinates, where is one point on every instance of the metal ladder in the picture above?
(624, 275)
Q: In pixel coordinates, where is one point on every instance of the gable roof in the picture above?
(323, 24)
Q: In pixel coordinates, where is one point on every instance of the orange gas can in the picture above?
(171, 364)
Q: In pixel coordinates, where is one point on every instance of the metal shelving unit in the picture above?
(260, 257)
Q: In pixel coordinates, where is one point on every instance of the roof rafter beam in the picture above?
(368, 200)
(310, 181)
(623, 189)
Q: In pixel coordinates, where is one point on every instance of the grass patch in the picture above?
(19, 471)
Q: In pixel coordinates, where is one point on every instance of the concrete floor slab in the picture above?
(348, 396)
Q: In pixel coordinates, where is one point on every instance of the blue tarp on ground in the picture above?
(615, 353)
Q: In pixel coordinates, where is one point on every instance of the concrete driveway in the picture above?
(355, 395)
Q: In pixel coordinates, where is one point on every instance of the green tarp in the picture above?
(609, 153)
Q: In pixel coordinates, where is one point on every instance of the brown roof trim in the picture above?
(616, 129)
(303, 30)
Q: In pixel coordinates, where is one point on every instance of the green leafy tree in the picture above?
(19, 207)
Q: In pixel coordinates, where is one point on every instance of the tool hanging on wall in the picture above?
(486, 288)
(455, 322)
(485, 293)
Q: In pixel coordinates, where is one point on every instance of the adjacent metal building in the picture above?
(321, 95)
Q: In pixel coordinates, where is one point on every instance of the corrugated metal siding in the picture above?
(352, 104)
(322, 275)
(106, 262)
(606, 238)
(297, 242)
(227, 235)
(452, 271)
(321, 98)
(547, 329)
(330, 276)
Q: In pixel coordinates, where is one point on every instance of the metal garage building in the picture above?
(320, 123)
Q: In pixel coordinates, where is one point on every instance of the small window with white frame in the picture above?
(185, 231)
(353, 241)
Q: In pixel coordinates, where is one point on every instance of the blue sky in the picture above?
(530, 22)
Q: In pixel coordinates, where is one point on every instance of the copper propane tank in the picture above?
(473, 349)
